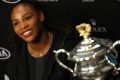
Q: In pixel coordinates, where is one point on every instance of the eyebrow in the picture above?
(27, 12)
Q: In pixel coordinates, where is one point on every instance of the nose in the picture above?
(24, 25)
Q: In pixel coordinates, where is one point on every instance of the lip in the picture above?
(27, 33)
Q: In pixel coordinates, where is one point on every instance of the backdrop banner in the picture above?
(103, 15)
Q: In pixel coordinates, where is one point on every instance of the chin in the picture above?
(29, 40)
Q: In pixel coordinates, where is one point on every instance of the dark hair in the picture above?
(34, 4)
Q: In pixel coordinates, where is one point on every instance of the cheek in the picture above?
(35, 23)
(17, 31)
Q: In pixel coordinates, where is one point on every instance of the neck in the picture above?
(40, 47)
(41, 42)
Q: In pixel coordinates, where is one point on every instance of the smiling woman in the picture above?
(34, 56)
(27, 22)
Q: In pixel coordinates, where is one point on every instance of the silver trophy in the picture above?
(93, 57)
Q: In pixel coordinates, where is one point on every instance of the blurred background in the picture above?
(103, 15)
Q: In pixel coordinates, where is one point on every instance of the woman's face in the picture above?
(26, 22)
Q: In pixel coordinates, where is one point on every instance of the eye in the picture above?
(15, 23)
(28, 17)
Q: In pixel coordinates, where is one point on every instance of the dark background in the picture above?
(104, 13)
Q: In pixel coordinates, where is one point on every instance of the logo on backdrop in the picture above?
(98, 28)
(11, 1)
(4, 53)
(88, 0)
(48, 0)
(6, 77)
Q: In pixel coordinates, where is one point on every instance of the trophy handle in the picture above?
(113, 47)
(112, 59)
(116, 69)
(60, 63)
(116, 43)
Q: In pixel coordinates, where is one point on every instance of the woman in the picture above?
(34, 58)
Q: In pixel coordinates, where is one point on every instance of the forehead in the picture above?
(21, 9)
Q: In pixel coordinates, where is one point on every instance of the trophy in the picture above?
(93, 57)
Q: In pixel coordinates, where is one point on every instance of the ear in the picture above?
(41, 16)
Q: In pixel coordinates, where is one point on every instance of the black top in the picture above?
(40, 68)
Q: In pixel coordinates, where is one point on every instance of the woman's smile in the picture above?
(27, 33)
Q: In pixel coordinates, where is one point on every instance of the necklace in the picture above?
(41, 53)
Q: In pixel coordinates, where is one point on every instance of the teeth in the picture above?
(27, 33)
